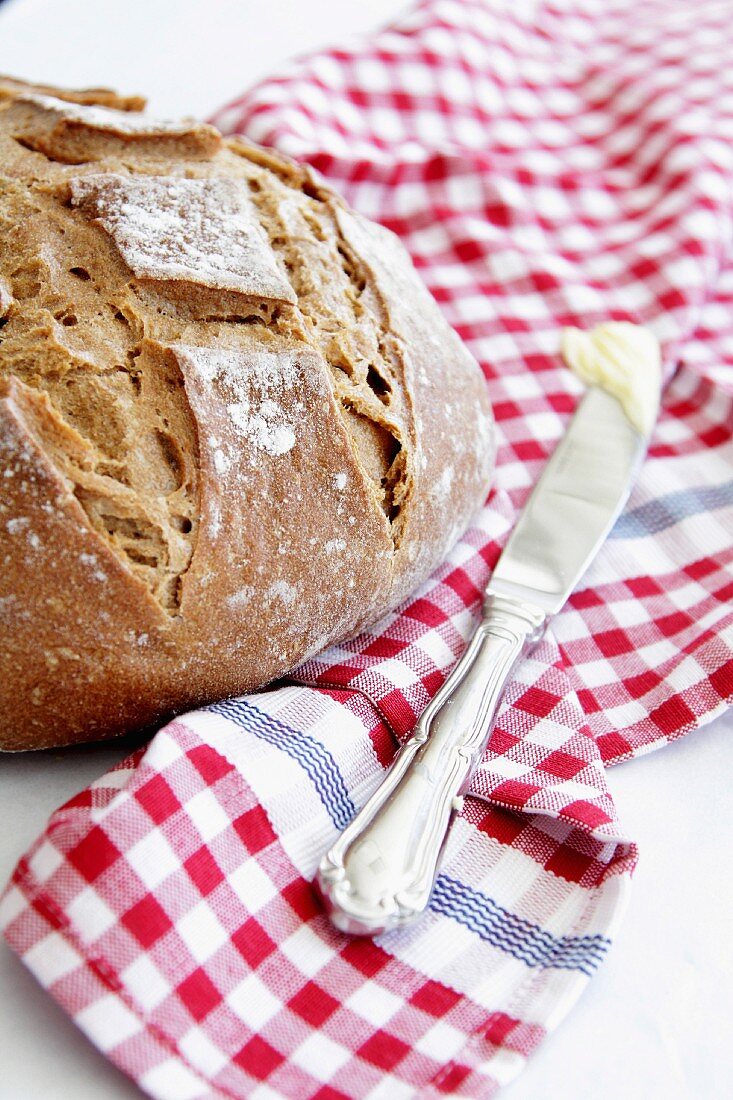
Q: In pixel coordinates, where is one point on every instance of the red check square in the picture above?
(253, 943)
(254, 830)
(383, 1050)
(94, 854)
(204, 871)
(314, 1004)
(435, 998)
(199, 994)
(158, 800)
(147, 921)
(258, 1058)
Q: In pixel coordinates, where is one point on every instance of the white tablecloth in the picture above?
(656, 1021)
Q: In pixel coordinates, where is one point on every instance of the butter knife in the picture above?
(380, 872)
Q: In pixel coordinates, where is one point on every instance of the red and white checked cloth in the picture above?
(546, 164)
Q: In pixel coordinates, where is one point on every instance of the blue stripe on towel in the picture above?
(480, 914)
(522, 939)
(312, 756)
(658, 515)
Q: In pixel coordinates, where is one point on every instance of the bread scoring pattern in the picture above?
(261, 249)
(252, 431)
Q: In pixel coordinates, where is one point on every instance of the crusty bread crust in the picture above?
(11, 86)
(234, 426)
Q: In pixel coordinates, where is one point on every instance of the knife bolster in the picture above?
(516, 617)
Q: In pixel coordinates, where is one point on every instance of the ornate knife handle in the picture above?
(380, 872)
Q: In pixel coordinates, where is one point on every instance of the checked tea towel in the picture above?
(545, 164)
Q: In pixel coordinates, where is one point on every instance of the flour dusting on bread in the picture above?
(201, 231)
(251, 386)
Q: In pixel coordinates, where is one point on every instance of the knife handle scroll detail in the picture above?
(380, 872)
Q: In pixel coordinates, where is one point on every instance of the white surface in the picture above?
(186, 56)
(655, 1022)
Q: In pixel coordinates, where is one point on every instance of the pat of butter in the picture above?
(623, 359)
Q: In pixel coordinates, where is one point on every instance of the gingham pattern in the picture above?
(169, 909)
(546, 164)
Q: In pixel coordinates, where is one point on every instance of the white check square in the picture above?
(203, 1055)
(374, 1003)
(44, 861)
(320, 1056)
(108, 1022)
(202, 932)
(171, 1080)
(253, 1003)
(153, 859)
(252, 885)
(51, 959)
(206, 814)
(90, 916)
(146, 983)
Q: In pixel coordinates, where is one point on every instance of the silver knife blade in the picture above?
(573, 506)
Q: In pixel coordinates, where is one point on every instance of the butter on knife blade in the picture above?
(624, 360)
(379, 874)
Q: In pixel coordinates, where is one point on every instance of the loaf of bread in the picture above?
(234, 427)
